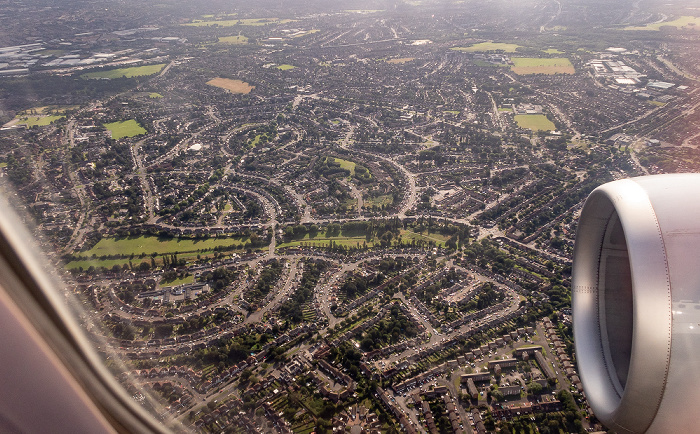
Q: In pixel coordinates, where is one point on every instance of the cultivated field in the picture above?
(134, 71)
(286, 67)
(488, 46)
(535, 122)
(401, 60)
(235, 86)
(128, 128)
(533, 65)
(685, 22)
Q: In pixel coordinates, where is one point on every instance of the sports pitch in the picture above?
(128, 128)
(535, 122)
(534, 65)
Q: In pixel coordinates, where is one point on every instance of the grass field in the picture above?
(410, 235)
(684, 22)
(182, 281)
(128, 128)
(256, 140)
(347, 165)
(155, 95)
(401, 60)
(553, 51)
(47, 109)
(535, 122)
(533, 65)
(107, 263)
(152, 244)
(452, 112)
(385, 199)
(134, 71)
(241, 22)
(39, 121)
(488, 46)
(233, 40)
(323, 242)
(286, 67)
(235, 86)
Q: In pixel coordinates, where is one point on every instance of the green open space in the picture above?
(233, 40)
(684, 22)
(535, 122)
(553, 51)
(107, 263)
(256, 140)
(47, 110)
(347, 165)
(409, 236)
(534, 65)
(384, 199)
(155, 95)
(286, 67)
(488, 46)
(38, 121)
(122, 129)
(134, 71)
(180, 281)
(151, 244)
(323, 241)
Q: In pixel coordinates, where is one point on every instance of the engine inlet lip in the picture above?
(634, 409)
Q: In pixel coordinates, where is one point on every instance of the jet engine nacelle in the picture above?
(636, 303)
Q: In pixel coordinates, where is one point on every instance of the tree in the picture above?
(246, 374)
(535, 388)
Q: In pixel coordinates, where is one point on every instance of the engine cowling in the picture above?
(636, 303)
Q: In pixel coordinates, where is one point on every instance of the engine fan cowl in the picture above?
(636, 303)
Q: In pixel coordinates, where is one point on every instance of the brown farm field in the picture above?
(235, 86)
